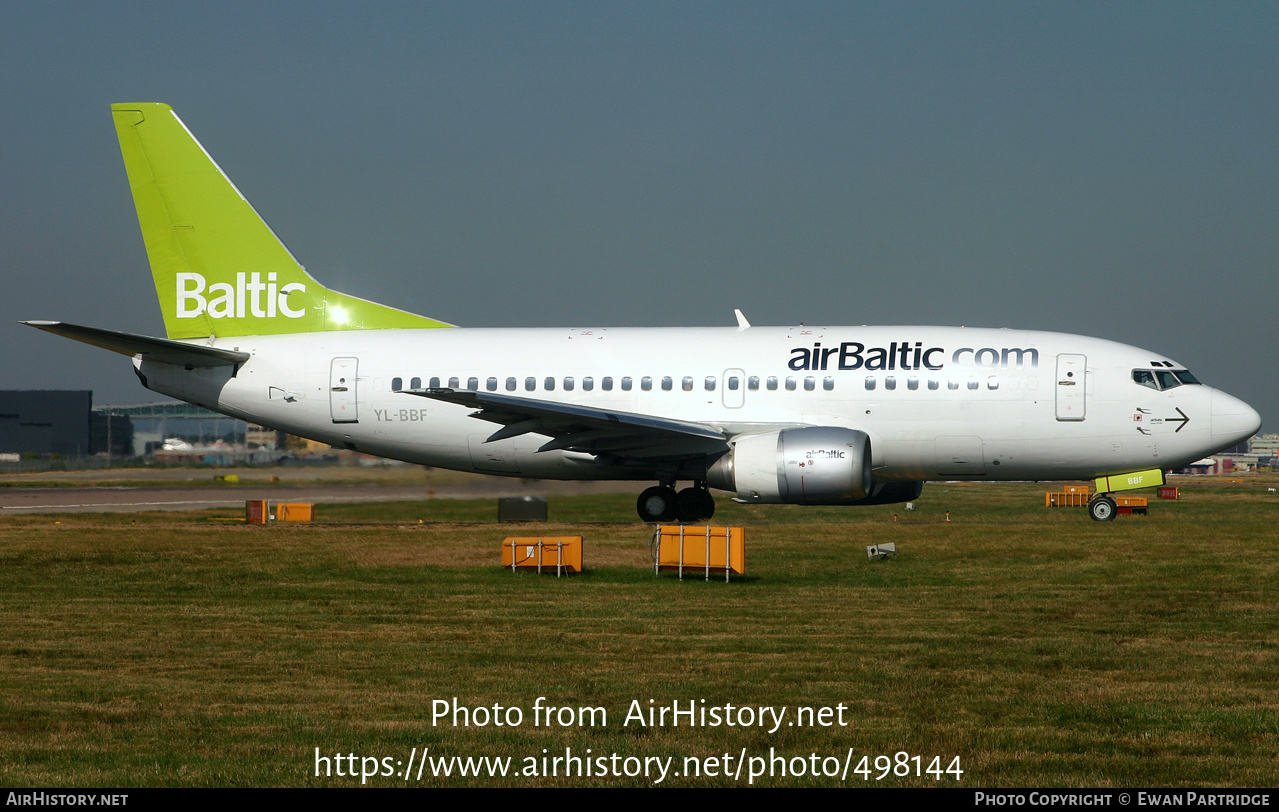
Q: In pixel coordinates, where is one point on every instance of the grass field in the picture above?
(1037, 646)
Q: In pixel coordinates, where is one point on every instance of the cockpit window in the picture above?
(1163, 378)
(1145, 377)
(1166, 379)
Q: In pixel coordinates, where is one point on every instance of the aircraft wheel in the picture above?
(1102, 509)
(656, 504)
(694, 505)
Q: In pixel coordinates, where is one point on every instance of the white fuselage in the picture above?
(936, 402)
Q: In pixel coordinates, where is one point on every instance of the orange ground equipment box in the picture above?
(558, 554)
(294, 511)
(256, 511)
(1132, 505)
(1066, 499)
(709, 550)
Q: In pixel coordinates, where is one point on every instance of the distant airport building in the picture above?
(1256, 454)
(184, 432)
(1264, 445)
(46, 422)
(50, 424)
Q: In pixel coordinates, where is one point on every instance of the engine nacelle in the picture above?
(816, 465)
(892, 493)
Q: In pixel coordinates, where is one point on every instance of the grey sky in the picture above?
(1107, 169)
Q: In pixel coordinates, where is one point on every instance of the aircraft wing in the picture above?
(585, 428)
(158, 349)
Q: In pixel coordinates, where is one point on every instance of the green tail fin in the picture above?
(219, 269)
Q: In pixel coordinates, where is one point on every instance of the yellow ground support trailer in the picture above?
(709, 549)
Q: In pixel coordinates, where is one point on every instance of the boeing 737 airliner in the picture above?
(800, 415)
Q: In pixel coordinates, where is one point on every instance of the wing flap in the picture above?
(588, 429)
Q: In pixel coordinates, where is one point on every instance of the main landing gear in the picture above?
(1102, 508)
(661, 503)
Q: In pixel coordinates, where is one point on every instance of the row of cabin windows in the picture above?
(667, 383)
(890, 382)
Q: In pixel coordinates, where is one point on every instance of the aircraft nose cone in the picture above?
(1233, 421)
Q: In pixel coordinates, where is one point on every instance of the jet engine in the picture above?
(816, 465)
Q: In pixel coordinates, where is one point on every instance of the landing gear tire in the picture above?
(694, 505)
(657, 504)
(1102, 509)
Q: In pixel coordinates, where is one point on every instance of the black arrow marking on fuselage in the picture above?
(1183, 420)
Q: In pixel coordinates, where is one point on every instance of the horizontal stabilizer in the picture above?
(157, 349)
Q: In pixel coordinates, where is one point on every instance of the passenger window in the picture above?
(810, 383)
(772, 383)
(492, 384)
(454, 383)
(710, 383)
(473, 384)
(752, 383)
(549, 384)
(828, 383)
(972, 384)
(607, 383)
(870, 381)
(435, 383)
(568, 384)
(416, 383)
(992, 382)
(510, 384)
(733, 383)
(588, 384)
(890, 382)
(626, 383)
(646, 383)
(952, 384)
(530, 384)
(397, 384)
(667, 383)
(912, 383)
(790, 383)
(688, 383)
(933, 384)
